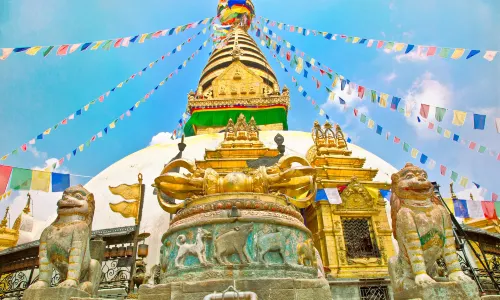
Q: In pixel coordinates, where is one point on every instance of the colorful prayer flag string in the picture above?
(65, 49)
(129, 111)
(101, 98)
(420, 50)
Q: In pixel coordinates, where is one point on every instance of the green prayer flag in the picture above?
(316, 107)
(14, 152)
(149, 36)
(406, 147)
(349, 39)
(374, 96)
(46, 52)
(454, 176)
(440, 113)
(401, 110)
(55, 126)
(445, 52)
(389, 45)
(328, 90)
(87, 144)
(482, 149)
(92, 102)
(107, 45)
(329, 75)
(362, 118)
(440, 130)
(20, 179)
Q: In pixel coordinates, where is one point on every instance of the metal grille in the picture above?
(358, 238)
(374, 293)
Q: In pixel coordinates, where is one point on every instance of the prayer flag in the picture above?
(85, 46)
(497, 124)
(414, 153)
(431, 51)
(440, 113)
(482, 149)
(454, 176)
(445, 52)
(396, 140)
(432, 164)
(449, 203)
(96, 46)
(464, 181)
(380, 44)
(371, 123)
(126, 42)
(459, 117)
(379, 130)
(370, 43)
(5, 53)
(458, 53)
(447, 133)
(33, 50)
(494, 197)
(399, 47)
(472, 53)
(472, 145)
(475, 209)
(424, 110)
(47, 51)
(361, 94)
(362, 119)
(383, 100)
(409, 48)
(389, 45)
(460, 207)
(489, 210)
(395, 103)
(439, 130)
(40, 181)
(62, 50)
(60, 182)
(423, 159)
(374, 96)
(479, 121)
(442, 170)
(490, 55)
(406, 147)
(5, 172)
(20, 179)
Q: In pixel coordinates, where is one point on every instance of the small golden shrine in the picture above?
(353, 235)
(8, 236)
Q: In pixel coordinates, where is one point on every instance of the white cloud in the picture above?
(412, 56)
(160, 138)
(429, 91)
(36, 153)
(49, 165)
(476, 193)
(389, 78)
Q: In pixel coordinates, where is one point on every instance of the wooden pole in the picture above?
(136, 234)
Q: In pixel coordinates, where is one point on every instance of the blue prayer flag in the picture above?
(60, 182)
(362, 41)
(386, 194)
(305, 73)
(461, 210)
(257, 33)
(74, 152)
(171, 31)
(418, 119)
(85, 46)
(456, 137)
(40, 137)
(308, 64)
(278, 48)
(304, 93)
(342, 101)
(292, 48)
(113, 89)
(477, 185)
(21, 49)
(132, 40)
(423, 159)
(106, 130)
(479, 121)
(409, 48)
(328, 36)
(342, 84)
(79, 112)
(472, 53)
(395, 102)
(349, 140)
(379, 130)
(321, 195)
(328, 118)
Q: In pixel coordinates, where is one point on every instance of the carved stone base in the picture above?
(442, 290)
(54, 294)
(266, 289)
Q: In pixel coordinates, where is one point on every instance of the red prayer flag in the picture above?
(431, 51)
(322, 72)
(24, 147)
(64, 122)
(489, 210)
(5, 172)
(380, 44)
(431, 125)
(288, 56)
(494, 197)
(443, 170)
(397, 140)
(341, 188)
(63, 50)
(118, 42)
(157, 34)
(318, 84)
(472, 145)
(361, 92)
(424, 110)
(355, 112)
(101, 98)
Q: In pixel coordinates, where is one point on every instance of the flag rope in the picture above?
(65, 49)
(101, 98)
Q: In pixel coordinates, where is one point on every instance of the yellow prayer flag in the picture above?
(120, 85)
(447, 133)
(414, 153)
(464, 181)
(458, 53)
(321, 112)
(137, 104)
(355, 40)
(399, 47)
(331, 97)
(80, 147)
(162, 82)
(459, 117)
(112, 125)
(178, 29)
(371, 123)
(126, 191)
(383, 100)
(184, 63)
(47, 131)
(126, 209)
(33, 50)
(96, 46)
(40, 181)
(300, 65)
(179, 48)
(143, 38)
(86, 107)
(449, 203)
(374, 192)
(300, 88)
(335, 80)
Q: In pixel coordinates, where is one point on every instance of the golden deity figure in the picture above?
(281, 178)
(423, 229)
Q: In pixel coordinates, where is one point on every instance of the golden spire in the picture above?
(26, 209)
(453, 196)
(3, 224)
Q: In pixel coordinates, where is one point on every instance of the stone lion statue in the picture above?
(65, 244)
(423, 229)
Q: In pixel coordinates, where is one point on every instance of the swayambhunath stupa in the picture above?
(260, 190)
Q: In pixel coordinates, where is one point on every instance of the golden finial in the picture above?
(3, 224)
(26, 209)
(471, 197)
(452, 192)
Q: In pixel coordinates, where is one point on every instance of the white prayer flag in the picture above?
(333, 196)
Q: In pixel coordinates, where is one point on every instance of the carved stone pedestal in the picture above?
(266, 289)
(54, 294)
(442, 290)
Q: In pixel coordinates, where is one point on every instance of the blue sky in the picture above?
(38, 92)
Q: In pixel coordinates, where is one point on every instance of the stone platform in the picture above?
(54, 294)
(442, 290)
(266, 289)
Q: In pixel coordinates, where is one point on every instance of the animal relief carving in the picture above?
(272, 242)
(306, 253)
(196, 249)
(233, 242)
